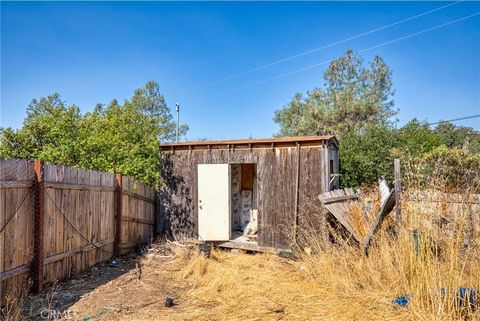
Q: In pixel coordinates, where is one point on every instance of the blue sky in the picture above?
(93, 52)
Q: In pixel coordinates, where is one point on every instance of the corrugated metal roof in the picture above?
(255, 141)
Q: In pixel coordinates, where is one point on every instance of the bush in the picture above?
(453, 169)
(369, 155)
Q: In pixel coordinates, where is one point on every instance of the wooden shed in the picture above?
(214, 189)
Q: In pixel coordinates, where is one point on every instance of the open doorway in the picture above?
(244, 214)
(227, 203)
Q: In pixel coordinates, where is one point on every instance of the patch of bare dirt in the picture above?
(111, 290)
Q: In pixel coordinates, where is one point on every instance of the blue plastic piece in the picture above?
(465, 297)
(403, 300)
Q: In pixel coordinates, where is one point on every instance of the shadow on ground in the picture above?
(53, 303)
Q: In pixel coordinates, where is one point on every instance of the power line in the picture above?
(452, 120)
(322, 47)
(360, 51)
(421, 32)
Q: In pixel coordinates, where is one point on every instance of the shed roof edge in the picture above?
(298, 139)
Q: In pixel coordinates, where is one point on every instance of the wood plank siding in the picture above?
(275, 178)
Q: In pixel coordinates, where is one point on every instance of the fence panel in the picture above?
(460, 209)
(79, 220)
(16, 224)
(138, 213)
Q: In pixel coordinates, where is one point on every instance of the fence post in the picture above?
(397, 183)
(118, 214)
(39, 224)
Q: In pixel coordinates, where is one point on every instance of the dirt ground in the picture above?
(138, 287)
(114, 291)
(230, 286)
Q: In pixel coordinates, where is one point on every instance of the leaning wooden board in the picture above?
(338, 203)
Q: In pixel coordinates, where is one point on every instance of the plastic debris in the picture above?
(403, 300)
(169, 302)
(114, 263)
(465, 297)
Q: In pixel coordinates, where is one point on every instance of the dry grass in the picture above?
(12, 311)
(339, 284)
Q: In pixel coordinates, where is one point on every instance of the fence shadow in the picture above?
(54, 302)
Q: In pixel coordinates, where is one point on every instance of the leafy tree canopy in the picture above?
(117, 137)
(366, 157)
(414, 139)
(356, 104)
(459, 136)
(354, 96)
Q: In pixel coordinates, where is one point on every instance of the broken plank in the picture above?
(339, 198)
(387, 207)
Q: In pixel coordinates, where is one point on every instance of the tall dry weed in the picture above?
(427, 257)
(13, 308)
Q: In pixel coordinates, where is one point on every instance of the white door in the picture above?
(213, 202)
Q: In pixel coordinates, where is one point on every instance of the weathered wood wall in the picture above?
(275, 187)
(16, 224)
(79, 227)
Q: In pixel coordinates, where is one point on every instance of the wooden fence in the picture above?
(16, 224)
(434, 204)
(56, 221)
(138, 205)
(449, 209)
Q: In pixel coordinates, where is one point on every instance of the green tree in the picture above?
(415, 139)
(50, 132)
(459, 136)
(355, 104)
(353, 98)
(119, 137)
(366, 157)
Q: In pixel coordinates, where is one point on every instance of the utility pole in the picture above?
(177, 105)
